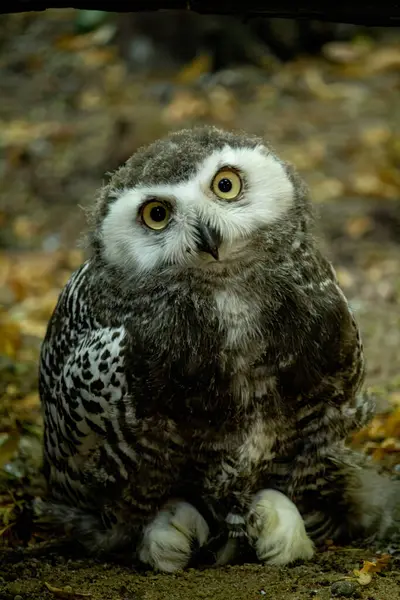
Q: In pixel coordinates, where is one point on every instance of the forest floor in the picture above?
(70, 111)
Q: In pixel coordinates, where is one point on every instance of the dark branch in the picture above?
(369, 12)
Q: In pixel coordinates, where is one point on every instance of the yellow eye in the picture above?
(155, 214)
(227, 184)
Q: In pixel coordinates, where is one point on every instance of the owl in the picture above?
(202, 369)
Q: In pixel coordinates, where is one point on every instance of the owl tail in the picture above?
(93, 531)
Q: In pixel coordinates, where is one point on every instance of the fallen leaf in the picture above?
(377, 565)
(222, 104)
(10, 337)
(326, 189)
(364, 575)
(362, 578)
(384, 59)
(30, 401)
(392, 424)
(24, 227)
(98, 57)
(373, 136)
(344, 52)
(65, 592)
(357, 227)
(198, 66)
(184, 106)
(317, 86)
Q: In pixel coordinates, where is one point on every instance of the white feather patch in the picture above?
(268, 194)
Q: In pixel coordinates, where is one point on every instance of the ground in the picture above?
(71, 111)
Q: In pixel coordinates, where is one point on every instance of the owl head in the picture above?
(202, 198)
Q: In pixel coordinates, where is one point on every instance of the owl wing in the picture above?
(325, 474)
(334, 401)
(83, 389)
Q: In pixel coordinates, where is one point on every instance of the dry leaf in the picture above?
(185, 105)
(362, 578)
(24, 228)
(344, 52)
(10, 337)
(30, 401)
(65, 592)
(384, 59)
(317, 86)
(357, 227)
(373, 136)
(222, 104)
(199, 65)
(327, 188)
(98, 57)
(364, 575)
(378, 565)
(392, 424)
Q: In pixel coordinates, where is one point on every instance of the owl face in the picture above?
(191, 203)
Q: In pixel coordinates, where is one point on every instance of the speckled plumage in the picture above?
(181, 393)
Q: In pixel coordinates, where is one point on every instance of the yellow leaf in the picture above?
(65, 592)
(317, 85)
(199, 65)
(185, 106)
(364, 575)
(363, 578)
(343, 52)
(357, 227)
(392, 425)
(30, 401)
(384, 59)
(10, 338)
(24, 227)
(98, 57)
(376, 566)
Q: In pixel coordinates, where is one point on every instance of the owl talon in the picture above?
(276, 529)
(169, 540)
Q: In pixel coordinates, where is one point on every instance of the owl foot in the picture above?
(276, 529)
(169, 540)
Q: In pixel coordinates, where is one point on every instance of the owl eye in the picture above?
(155, 214)
(227, 184)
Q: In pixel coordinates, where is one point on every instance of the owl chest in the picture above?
(242, 346)
(237, 318)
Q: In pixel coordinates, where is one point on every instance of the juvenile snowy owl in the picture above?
(202, 369)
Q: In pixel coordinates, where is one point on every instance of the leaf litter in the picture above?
(66, 592)
(364, 575)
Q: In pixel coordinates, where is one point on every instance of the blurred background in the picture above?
(80, 91)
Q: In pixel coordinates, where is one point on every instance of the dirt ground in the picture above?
(324, 578)
(70, 111)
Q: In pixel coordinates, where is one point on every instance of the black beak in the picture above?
(209, 240)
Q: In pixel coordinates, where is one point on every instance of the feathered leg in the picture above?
(347, 499)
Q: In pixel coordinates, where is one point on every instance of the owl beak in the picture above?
(209, 240)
